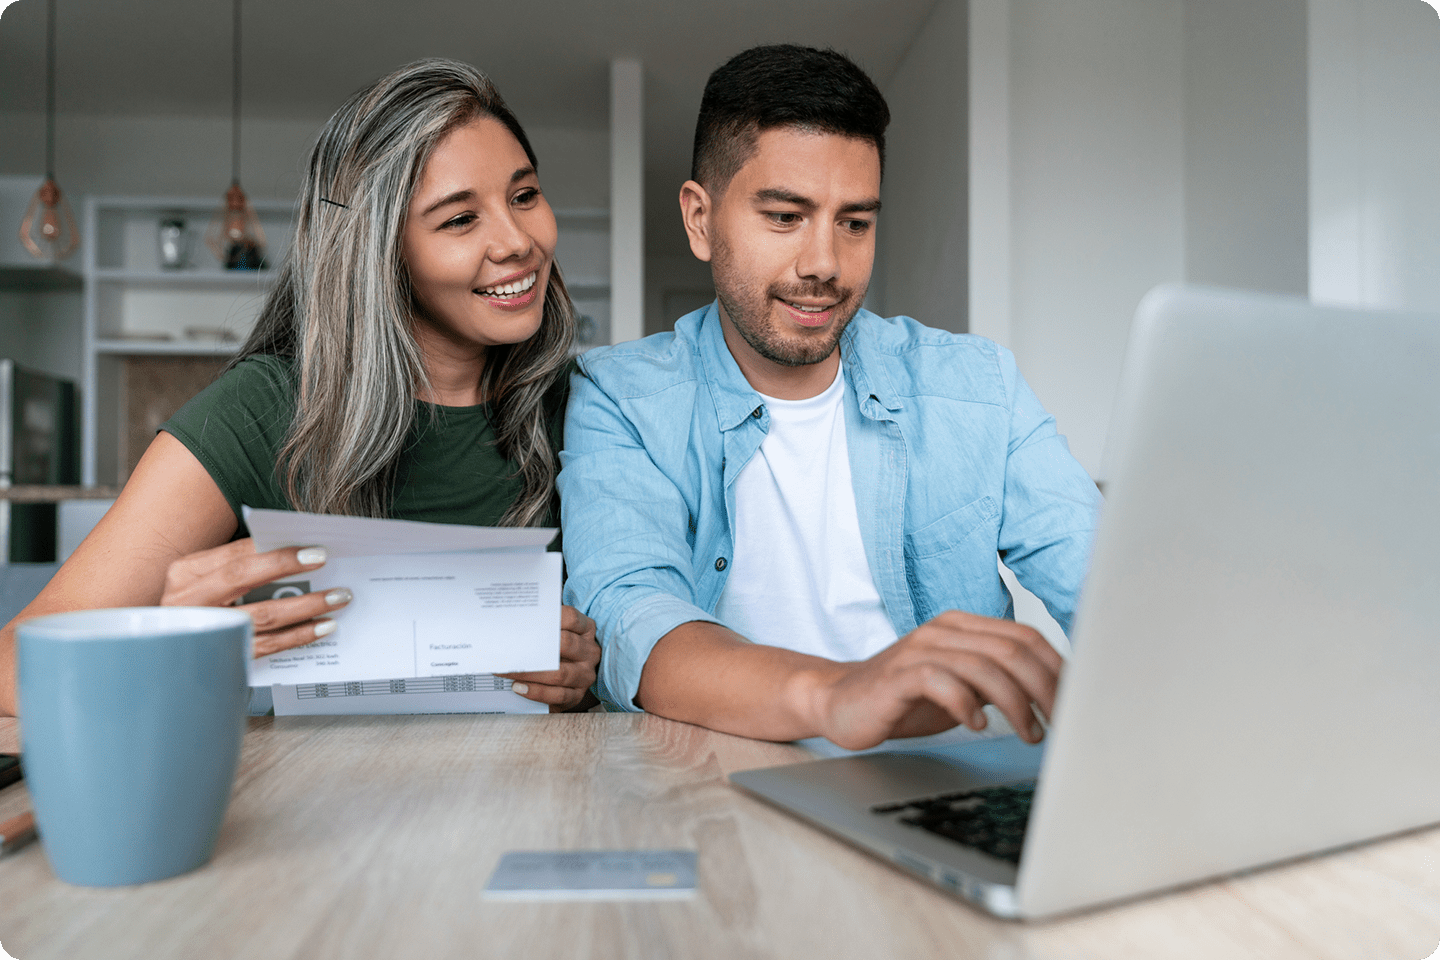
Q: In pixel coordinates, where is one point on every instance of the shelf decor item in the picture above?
(174, 242)
(234, 234)
(48, 229)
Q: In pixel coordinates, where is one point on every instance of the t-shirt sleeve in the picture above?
(235, 428)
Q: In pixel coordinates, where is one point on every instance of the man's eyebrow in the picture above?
(460, 196)
(781, 195)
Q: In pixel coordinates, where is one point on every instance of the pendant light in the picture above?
(234, 234)
(48, 229)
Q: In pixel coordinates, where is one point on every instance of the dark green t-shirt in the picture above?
(450, 471)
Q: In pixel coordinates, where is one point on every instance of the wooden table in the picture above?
(359, 837)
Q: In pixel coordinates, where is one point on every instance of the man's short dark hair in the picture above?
(783, 85)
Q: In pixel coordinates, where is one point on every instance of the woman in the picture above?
(410, 362)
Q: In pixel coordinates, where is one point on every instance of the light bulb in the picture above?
(48, 230)
(234, 234)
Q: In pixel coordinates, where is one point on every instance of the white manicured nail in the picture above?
(311, 556)
(1037, 732)
(338, 596)
(323, 628)
(520, 688)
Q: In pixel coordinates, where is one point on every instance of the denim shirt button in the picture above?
(720, 564)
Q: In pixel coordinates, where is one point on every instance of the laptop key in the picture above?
(991, 820)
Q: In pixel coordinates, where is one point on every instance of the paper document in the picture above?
(469, 693)
(429, 610)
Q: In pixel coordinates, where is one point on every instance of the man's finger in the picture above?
(1028, 636)
(996, 685)
(1020, 660)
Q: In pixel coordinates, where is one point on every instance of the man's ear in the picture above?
(695, 211)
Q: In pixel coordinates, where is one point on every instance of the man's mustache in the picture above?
(811, 291)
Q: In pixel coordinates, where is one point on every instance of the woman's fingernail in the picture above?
(311, 556)
(1037, 732)
(323, 628)
(977, 720)
(338, 596)
(520, 688)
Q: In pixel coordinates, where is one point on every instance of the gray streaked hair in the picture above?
(342, 306)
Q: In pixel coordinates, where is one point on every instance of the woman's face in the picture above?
(479, 239)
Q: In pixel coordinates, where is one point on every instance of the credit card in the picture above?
(593, 875)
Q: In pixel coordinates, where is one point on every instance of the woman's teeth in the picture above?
(509, 289)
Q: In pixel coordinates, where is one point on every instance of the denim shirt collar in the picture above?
(734, 398)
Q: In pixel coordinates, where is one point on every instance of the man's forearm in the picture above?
(704, 674)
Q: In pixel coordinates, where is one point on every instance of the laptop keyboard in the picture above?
(991, 820)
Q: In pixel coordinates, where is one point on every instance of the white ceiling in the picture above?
(303, 57)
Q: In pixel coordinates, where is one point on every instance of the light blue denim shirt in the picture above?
(951, 455)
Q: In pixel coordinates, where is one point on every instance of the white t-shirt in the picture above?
(799, 578)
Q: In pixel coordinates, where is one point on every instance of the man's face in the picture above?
(791, 243)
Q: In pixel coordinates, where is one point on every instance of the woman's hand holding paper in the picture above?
(222, 576)
(567, 688)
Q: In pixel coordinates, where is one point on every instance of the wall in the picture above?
(1374, 90)
(1246, 144)
(1112, 145)
(923, 237)
(42, 331)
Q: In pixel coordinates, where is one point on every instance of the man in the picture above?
(784, 517)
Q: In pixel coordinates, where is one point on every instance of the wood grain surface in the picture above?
(359, 837)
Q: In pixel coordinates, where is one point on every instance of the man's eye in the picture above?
(784, 219)
(857, 226)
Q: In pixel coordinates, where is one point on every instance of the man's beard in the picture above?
(748, 308)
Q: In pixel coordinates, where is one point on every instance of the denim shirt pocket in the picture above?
(950, 563)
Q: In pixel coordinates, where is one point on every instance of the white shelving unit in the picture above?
(133, 307)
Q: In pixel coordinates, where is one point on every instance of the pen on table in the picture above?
(16, 832)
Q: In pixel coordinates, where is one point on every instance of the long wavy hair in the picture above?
(343, 305)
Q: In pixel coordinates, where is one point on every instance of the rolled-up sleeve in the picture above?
(625, 536)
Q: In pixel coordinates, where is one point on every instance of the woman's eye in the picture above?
(526, 196)
(463, 220)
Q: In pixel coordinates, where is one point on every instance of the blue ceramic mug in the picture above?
(130, 726)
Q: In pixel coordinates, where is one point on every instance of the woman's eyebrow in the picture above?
(460, 196)
(457, 197)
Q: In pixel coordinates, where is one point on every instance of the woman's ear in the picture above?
(695, 210)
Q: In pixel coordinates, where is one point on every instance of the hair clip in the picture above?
(333, 203)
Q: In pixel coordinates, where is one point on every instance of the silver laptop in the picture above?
(1256, 674)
